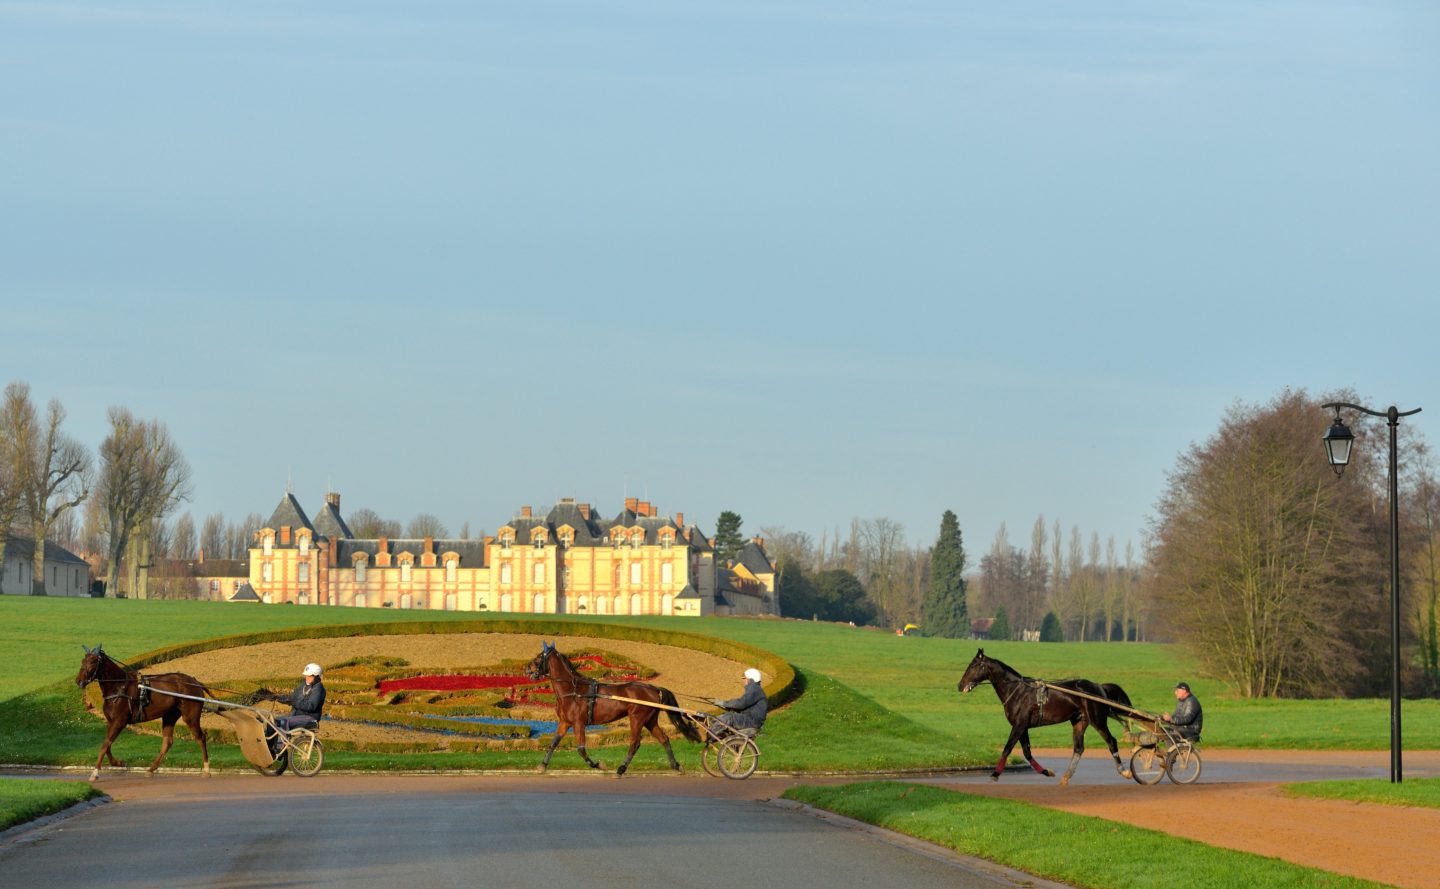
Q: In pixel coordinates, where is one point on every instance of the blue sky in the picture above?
(806, 261)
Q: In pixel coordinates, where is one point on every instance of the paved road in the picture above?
(365, 832)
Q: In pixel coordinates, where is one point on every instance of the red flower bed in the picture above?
(456, 682)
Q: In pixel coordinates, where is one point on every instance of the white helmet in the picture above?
(752, 674)
(312, 670)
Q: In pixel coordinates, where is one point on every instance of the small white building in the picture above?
(66, 574)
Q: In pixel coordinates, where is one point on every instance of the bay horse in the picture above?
(580, 701)
(130, 697)
(1030, 703)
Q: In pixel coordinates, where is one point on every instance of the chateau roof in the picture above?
(330, 524)
(289, 513)
(471, 552)
(755, 560)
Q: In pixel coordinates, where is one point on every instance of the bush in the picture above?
(1050, 629)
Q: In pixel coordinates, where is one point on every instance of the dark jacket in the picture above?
(750, 708)
(1188, 716)
(307, 700)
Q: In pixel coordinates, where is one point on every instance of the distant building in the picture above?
(66, 573)
(568, 561)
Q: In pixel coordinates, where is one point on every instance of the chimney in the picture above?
(524, 512)
(201, 560)
(645, 508)
(758, 541)
(429, 546)
(332, 498)
(584, 511)
(384, 545)
(284, 535)
(680, 520)
(632, 504)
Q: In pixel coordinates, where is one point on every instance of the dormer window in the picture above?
(451, 568)
(636, 540)
(406, 567)
(304, 544)
(268, 543)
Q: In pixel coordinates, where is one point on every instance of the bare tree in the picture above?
(51, 467)
(881, 541)
(1263, 564)
(143, 477)
(426, 525)
(212, 537)
(1037, 578)
(182, 543)
(367, 525)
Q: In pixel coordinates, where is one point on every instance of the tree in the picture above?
(426, 525)
(182, 539)
(842, 597)
(1050, 630)
(728, 541)
(143, 476)
(51, 468)
(366, 524)
(1000, 629)
(1424, 580)
(798, 596)
(1263, 562)
(212, 536)
(944, 608)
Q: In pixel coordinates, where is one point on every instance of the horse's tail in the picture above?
(683, 724)
(1117, 694)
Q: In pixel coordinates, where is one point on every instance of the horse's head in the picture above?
(980, 670)
(90, 665)
(539, 668)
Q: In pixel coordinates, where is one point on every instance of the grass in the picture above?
(1074, 849)
(1422, 792)
(873, 700)
(25, 799)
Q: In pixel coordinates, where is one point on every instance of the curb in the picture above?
(980, 867)
(21, 833)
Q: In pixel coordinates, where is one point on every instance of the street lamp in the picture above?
(1338, 442)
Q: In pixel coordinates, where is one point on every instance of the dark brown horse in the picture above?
(580, 701)
(130, 697)
(1030, 703)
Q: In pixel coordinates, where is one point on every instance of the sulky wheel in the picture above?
(306, 754)
(710, 759)
(738, 757)
(1183, 764)
(1147, 765)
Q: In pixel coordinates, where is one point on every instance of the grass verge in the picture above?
(1074, 849)
(25, 799)
(1422, 792)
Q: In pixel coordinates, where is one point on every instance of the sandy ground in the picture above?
(681, 670)
(1392, 844)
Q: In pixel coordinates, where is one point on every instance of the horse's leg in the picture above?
(112, 732)
(167, 723)
(635, 726)
(580, 743)
(1110, 742)
(560, 729)
(192, 722)
(1025, 748)
(664, 739)
(1015, 732)
(1079, 732)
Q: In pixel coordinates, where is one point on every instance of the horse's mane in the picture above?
(1006, 667)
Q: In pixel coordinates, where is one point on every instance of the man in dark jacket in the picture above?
(1187, 718)
(307, 701)
(749, 710)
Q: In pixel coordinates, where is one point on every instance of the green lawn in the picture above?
(1423, 792)
(873, 701)
(25, 799)
(1074, 849)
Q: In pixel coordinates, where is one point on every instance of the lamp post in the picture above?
(1338, 442)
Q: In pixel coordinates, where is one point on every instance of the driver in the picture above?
(750, 709)
(1188, 718)
(306, 701)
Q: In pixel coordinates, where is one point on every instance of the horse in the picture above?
(1030, 703)
(130, 697)
(580, 702)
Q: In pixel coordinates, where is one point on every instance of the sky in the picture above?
(806, 261)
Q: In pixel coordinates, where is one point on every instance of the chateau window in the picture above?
(214, 587)
(405, 569)
(635, 571)
(451, 569)
(637, 604)
(302, 574)
(636, 541)
(304, 544)
(266, 572)
(667, 573)
(505, 572)
(539, 576)
(268, 544)
(360, 571)
(539, 604)
(539, 541)
(505, 543)
(567, 539)
(666, 542)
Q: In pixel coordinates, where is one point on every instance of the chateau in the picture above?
(568, 561)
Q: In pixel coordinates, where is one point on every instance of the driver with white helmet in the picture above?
(749, 710)
(307, 701)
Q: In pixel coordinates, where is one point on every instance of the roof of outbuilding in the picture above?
(246, 593)
(753, 557)
(54, 552)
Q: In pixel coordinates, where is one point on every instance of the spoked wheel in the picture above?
(1147, 765)
(710, 760)
(1183, 764)
(306, 754)
(738, 757)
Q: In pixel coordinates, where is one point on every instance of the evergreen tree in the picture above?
(728, 541)
(1001, 628)
(798, 596)
(843, 598)
(944, 608)
(1050, 628)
